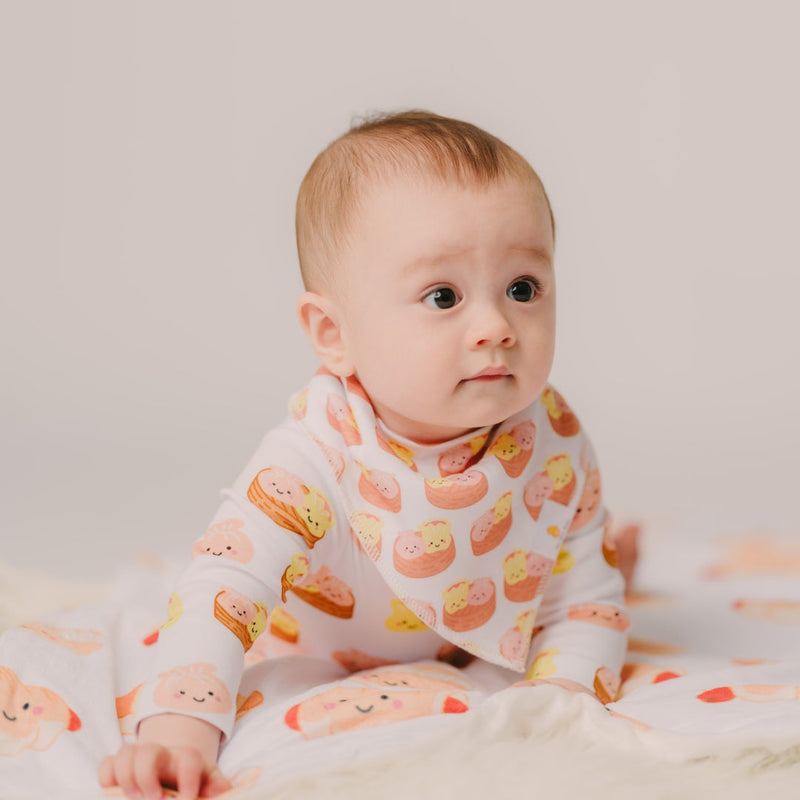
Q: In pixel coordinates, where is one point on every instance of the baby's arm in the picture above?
(172, 750)
(581, 637)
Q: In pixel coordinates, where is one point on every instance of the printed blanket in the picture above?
(710, 698)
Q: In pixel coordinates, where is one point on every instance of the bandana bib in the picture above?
(465, 533)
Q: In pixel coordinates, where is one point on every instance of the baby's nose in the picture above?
(492, 329)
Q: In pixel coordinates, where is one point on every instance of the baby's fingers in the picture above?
(118, 770)
(151, 766)
(216, 783)
(188, 770)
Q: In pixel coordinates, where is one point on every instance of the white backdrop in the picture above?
(151, 154)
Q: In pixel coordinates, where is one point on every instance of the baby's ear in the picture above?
(321, 322)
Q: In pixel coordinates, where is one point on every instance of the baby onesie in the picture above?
(344, 541)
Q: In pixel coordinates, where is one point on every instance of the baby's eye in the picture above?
(443, 297)
(523, 290)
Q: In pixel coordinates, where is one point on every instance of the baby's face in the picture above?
(447, 301)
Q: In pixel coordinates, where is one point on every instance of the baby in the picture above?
(397, 485)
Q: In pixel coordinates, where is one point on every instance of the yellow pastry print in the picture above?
(297, 570)
(258, 624)
(436, 535)
(284, 625)
(564, 563)
(514, 567)
(559, 469)
(502, 508)
(455, 597)
(505, 448)
(402, 619)
(543, 665)
(549, 402)
(318, 513)
(299, 404)
(477, 442)
(174, 610)
(405, 454)
(367, 528)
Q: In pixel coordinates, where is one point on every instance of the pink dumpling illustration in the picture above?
(193, 687)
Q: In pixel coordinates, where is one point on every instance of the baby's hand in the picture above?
(141, 770)
(173, 752)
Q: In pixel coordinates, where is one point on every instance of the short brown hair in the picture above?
(380, 146)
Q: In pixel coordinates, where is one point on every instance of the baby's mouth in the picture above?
(490, 375)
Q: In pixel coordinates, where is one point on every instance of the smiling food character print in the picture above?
(225, 539)
(193, 687)
(346, 708)
(291, 504)
(31, 717)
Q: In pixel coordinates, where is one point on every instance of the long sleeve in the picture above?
(221, 602)
(582, 624)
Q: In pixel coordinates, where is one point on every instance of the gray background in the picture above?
(151, 153)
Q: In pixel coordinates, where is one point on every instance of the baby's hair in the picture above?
(382, 146)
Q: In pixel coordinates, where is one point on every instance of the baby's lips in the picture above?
(722, 694)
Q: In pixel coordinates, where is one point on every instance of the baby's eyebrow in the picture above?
(535, 252)
(445, 255)
(434, 259)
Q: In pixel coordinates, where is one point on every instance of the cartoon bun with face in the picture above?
(426, 551)
(345, 708)
(538, 489)
(241, 616)
(525, 574)
(193, 687)
(599, 614)
(32, 717)
(513, 448)
(404, 620)
(559, 469)
(225, 539)
(562, 420)
(514, 642)
(457, 491)
(326, 592)
(291, 504)
(379, 488)
(469, 604)
(457, 458)
(340, 418)
(367, 529)
(491, 527)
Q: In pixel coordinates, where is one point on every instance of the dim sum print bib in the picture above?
(465, 533)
